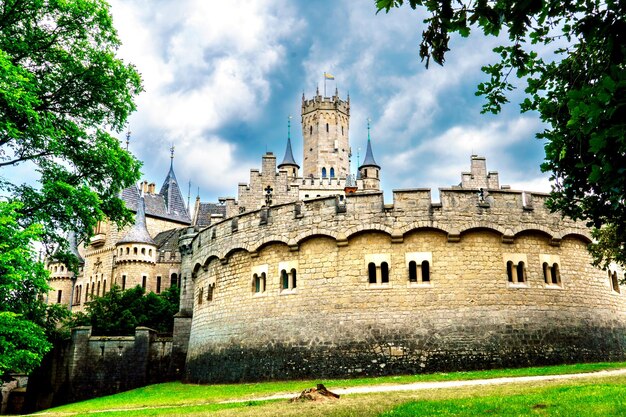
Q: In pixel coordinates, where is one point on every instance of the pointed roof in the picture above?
(288, 159)
(73, 246)
(174, 202)
(138, 233)
(369, 155)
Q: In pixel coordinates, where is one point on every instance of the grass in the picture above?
(198, 400)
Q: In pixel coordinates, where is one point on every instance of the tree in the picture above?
(579, 90)
(119, 312)
(26, 323)
(62, 91)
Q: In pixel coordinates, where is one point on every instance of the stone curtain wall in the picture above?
(94, 366)
(337, 324)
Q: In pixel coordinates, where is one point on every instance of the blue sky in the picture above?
(221, 79)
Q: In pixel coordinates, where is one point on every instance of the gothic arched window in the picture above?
(323, 172)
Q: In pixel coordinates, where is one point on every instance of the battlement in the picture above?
(325, 103)
(505, 212)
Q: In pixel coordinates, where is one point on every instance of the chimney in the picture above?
(151, 187)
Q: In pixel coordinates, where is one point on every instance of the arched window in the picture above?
(293, 278)
(614, 282)
(150, 252)
(143, 282)
(256, 282)
(412, 271)
(332, 172)
(323, 172)
(158, 284)
(127, 251)
(520, 272)
(174, 280)
(59, 296)
(509, 270)
(143, 251)
(104, 287)
(384, 272)
(556, 276)
(98, 292)
(365, 173)
(123, 282)
(121, 251)
(62, 268)
(135, 251)
(310, 130)
(327, 129)
(86, 292)
(263, 279)
(341, 130)
(284, 278)
(200, 294)
(546, 273)
(425, 271)
(371, 272)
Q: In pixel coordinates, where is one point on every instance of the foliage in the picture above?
(61, 91)
(26, 323)
(571, 56)
(119, 312)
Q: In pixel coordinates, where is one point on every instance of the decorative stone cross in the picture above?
(268, 195)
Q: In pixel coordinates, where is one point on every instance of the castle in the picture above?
(314, 275)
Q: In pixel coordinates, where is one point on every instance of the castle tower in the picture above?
(136, 252)
(369, 170)
(289, 164)
(325, 128)
(62, 279)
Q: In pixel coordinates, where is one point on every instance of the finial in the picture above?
(368, 128)
(303, 96)
(289, 128)
(317, 90)
(358, 157)
(336, 92)
(127, 139)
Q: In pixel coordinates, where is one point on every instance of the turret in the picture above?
(369, 170)
(326, 144)
(62, 279)
(137, 245)
(289, 163)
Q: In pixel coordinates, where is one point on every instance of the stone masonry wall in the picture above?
(335, 323)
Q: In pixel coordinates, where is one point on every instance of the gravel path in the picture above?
(416, 386)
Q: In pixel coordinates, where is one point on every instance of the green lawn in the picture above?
(197, 400)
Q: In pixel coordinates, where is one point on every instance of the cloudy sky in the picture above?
(221, 79)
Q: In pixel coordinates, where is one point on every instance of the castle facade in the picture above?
(316, 276)
(312, 274)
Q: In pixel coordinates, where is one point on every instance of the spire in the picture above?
(288, 159)
(138, 233)
(174, 201)
(73, 246)
(369, 155)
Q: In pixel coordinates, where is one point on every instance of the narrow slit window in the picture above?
(384, 272)
(412, 271)
(293, 278)
(509, 271)
(371, 272)
(284, 277)
(425, 271)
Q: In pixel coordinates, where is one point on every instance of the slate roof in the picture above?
(173, 197)
(138, 233)
(203, 217)
(288, 159)
(168, 240)
(369, 157)
(168, 204)
(71, 239)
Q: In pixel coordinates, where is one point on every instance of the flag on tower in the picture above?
(328, 76)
